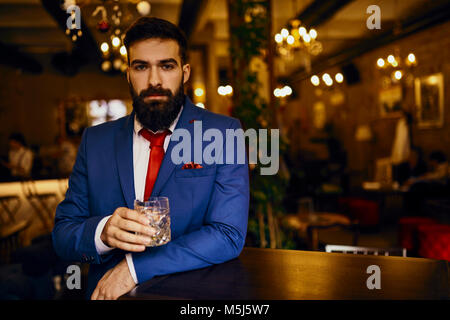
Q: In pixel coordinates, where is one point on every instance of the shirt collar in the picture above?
(138, 126)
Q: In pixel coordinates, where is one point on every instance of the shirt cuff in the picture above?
(131, 267)
(99, 245)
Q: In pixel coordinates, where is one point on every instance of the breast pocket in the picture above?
(195, 173)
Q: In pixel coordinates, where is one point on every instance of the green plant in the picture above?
(249, 39)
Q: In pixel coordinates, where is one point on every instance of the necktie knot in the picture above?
(156, 139)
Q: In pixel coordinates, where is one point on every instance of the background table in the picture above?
(309, 224)
(289, 274)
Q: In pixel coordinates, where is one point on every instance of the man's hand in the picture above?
(115, 283)
(119, 230)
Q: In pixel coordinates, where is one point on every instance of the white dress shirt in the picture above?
(141, 154)
(21, 161)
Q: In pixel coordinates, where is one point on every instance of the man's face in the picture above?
(14, 145)
(156, 77)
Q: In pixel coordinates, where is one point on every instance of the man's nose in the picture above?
(154, 78)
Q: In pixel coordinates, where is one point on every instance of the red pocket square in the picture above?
(191, 165)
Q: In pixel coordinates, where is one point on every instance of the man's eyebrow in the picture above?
(170, 60)
(137, 61)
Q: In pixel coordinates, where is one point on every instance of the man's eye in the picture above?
(140, 67)
(167, 67)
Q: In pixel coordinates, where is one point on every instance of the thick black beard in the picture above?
(157, 115)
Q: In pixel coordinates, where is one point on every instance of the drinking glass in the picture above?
(157, 210)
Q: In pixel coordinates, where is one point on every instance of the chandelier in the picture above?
(296, 37)
(109, 15)
(395, 68)
(327, 80)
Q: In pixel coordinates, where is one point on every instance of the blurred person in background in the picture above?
(20, 157)
(416, 163)
(67, 156)
(431, 184)
(439, 173)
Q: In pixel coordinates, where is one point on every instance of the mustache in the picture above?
(151, 90)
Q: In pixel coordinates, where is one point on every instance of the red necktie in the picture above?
(155, 159)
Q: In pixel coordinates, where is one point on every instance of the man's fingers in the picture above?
(133, 226)
(94, 294)
(125, 236)
(129, 214)
(127, 246)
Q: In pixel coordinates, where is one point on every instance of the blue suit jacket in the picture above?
(208, 206)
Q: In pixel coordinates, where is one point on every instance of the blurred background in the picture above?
(358, 90)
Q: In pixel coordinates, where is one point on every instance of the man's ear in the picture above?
(186, 72)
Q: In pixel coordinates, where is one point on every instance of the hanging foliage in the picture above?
(249, 39)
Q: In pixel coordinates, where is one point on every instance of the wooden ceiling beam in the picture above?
(425, 19)
(189, 14)
(85, 49)
(12, 56)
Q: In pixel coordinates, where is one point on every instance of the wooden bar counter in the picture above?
(274, 274)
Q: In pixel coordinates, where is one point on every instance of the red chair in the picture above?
(434, 241)
(408, 231)
(367, 212)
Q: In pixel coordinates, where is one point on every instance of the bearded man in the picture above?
(130, 158)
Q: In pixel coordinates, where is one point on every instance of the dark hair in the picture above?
(17, 136)
(438, 156)
(151, 27)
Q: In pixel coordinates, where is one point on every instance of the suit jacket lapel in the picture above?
(124, 158)
(189, 112)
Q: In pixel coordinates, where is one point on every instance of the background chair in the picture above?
(434, 241)
(44, 204)
(10, 239)
(7, 207)
(366, 250)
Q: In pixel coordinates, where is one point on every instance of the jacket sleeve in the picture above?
(74, 230)
(221, 237)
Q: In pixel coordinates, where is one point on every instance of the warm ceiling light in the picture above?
(315, 80)
(143, 7)
(411, 58)
(225, 90)
(229, 89)
(398, 74)
(326, 76)
(380, 62)
(106, 65)
(277, 92)
(339, 77)
(123, 50)
(117, 63)
(307, 38)
(284, 33)
(313, 33)
(116, 42)
(290, 39)
(199, 92)
(287, 90)
(391, 59)
(278, 38)
(104, 47)
(302, 31)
